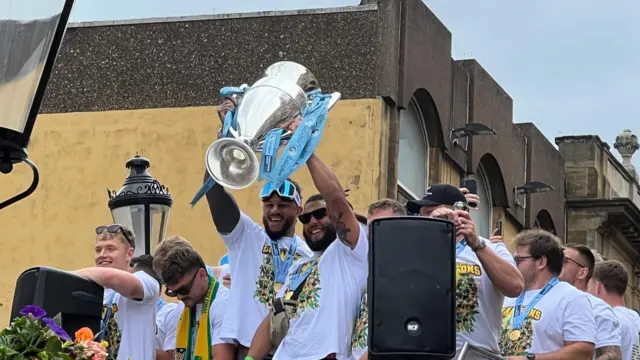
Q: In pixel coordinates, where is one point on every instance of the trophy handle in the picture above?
(284, 139)
(232, 163)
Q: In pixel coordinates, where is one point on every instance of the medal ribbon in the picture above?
(281, 267)
(104, 328)
(460, 246)
(518, 315)
(299, 276)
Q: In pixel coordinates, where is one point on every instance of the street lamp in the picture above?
(143, 205)
(31, 32)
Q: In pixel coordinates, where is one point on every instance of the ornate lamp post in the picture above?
(143, 205)
(29, 44)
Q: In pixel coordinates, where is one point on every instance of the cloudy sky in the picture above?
(569, 65)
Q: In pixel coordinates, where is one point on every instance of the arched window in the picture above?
(483, 214)
(413, 155)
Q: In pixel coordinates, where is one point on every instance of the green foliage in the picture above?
(28, 338)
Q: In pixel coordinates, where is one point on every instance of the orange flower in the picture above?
(83, 335)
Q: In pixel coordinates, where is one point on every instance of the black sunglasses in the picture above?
(184, 289)
(318, 214)
(115, 230)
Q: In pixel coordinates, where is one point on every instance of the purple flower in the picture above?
(56, 329)
(36, 311)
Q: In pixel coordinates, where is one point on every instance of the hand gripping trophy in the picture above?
(286, 91)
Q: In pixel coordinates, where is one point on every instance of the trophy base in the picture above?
(232, 163)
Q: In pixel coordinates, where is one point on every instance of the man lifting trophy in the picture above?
(286, 92)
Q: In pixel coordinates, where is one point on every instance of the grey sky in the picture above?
(570, 66)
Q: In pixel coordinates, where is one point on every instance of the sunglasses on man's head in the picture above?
(318, 214)
(115, 230)
(183, 290)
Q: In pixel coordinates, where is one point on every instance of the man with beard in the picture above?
(577, 269)
(326, 288)
(259, 257)
(130, 300)
(203, 300)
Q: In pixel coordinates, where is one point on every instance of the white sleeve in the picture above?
(216, 316)
(245, 230)
(503, 252)
(360, 253)
(608, 328)
(170, 328)
(150, 286)
(577, 319)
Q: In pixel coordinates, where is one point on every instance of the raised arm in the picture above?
(223, 208)
(340, 212)
(122, 282)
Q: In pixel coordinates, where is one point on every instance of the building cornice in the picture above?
(259, 14)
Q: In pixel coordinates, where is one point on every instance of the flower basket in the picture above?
(34, 336)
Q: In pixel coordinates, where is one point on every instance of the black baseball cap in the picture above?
(439, 194)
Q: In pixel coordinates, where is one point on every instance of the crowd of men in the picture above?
(291, 298)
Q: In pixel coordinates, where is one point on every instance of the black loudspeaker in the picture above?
(411, 288)
(76, 299)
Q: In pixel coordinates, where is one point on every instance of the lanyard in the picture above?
(161, 303)
(518, 316)
(301, 275)
(107, 316)
(281, 267)
(460, 246)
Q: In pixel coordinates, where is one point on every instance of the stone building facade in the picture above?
(603, 201)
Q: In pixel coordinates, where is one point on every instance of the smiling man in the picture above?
(130, 300)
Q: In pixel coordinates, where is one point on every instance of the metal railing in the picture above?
(466, 348)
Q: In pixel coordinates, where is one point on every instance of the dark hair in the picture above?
(587, 257)
(314, 197)
(387, 204)
(175, 258)
(543, 243)
(613, 275)
(145, 263)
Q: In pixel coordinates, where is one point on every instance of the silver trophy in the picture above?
(278, 97)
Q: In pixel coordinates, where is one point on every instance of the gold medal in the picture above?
(277, 286)
(514, 335)
(289, 295)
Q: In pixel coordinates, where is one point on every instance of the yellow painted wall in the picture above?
(80, 155)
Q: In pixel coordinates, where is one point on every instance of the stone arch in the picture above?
(544, 221)
(430, 118)
(496, 184)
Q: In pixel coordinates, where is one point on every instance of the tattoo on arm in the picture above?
(341, 228)
(223, 208)
(609, 353)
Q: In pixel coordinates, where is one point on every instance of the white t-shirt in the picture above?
(563, 314)
(328, 303)
(166, 333)
(252, 277)
(216, 314)
(478, 301)
(607, 326)
(629, 329)
(224, 271)
(134, 328)
(360, 331)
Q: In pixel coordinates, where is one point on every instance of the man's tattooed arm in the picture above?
(340, 211)
(609, 353)
(342, 230)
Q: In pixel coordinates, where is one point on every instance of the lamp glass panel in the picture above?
(159, 220)
(27, 29)
(133, 218)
